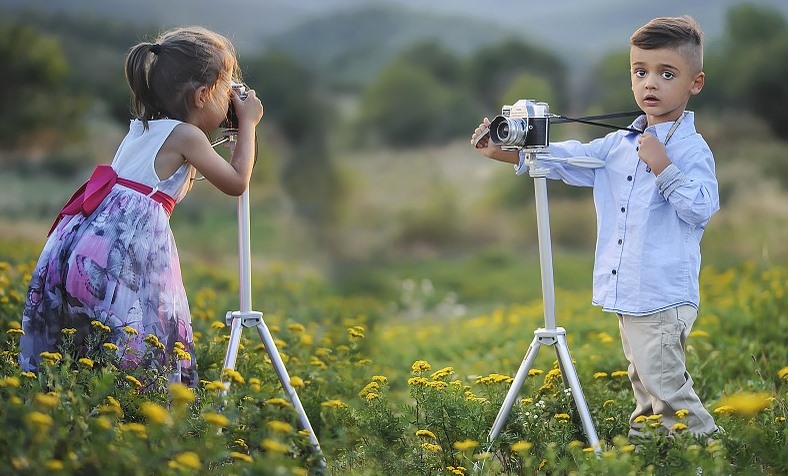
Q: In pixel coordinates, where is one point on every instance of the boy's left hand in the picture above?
(652, 152)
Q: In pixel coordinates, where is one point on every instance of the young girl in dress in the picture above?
(111, 256)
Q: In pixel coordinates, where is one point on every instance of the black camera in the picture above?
(231, 121)
(522, 125)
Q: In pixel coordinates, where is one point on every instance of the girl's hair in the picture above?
(682, 34)
(162, 74)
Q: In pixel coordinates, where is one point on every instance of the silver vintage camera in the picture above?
(231, 121)
(523, 125)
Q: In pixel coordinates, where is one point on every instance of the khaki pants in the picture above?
(654, 347)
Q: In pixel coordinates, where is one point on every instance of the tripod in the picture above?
(246, 317)
(549, 334)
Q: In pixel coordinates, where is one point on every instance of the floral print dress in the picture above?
(118, 266)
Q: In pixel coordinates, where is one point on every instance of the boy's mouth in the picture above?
(651, 100)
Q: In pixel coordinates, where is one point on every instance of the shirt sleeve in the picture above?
(693, 192)
(559, 169)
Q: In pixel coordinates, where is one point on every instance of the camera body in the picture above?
(231, 121)
(522, 125)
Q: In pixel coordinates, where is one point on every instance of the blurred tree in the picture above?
(492, 70)
(610, 86)
(528, 86)
(36, 111)
(303, 119)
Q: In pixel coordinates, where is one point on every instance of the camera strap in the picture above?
(591, 120)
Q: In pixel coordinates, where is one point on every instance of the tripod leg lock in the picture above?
(248, 319)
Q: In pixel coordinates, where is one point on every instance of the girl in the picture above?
(111, 256)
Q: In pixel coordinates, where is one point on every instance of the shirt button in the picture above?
(620, 241)
(629, 177)
(623, 209)
(614, 272)
(648, 169)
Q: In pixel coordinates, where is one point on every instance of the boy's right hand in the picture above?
(249, 110)
(480, 139)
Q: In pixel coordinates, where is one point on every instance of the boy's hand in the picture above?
(652, 152)
(481, 140)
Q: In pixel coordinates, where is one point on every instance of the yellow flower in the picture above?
(215, 419)
(39, 419)
(241, 457)
(425, 434)
(110, 346)
(561, 416)
(698, 333)
(355, 333)
(132, 380)
(215, 385)
(640, 419)
(278, 402)
(86, 362)
(783, 373)
(103, 423)
(431, 447)
(333, 404)
(725, 410)
(274, 446)
(136, 428)
(526, 401)
(535, 372)
(233, 375)
(442, 373)
(619, 373)
(522, 446)
(370, 387)
(51, 357)
(156, 413)
(187, 459)
(654, 417)
(47, 400)
(295, 381)
(279, 426)
(608, 402)
(130, 331)
(54, 465)
(420, 366)
(598, 375)
(181, 394)
(679, 427)
(371, 396)
(383, 379)
(465, 445)
(27, 375)
(10, 381)
(746, 403)
(682, 413)
(296, 327)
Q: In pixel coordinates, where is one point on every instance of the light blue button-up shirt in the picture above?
(649, 228)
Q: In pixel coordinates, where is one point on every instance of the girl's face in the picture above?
(213, 103)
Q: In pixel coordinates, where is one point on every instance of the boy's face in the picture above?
(662, 82)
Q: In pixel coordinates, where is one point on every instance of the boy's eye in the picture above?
(640, 73)
(667, 75)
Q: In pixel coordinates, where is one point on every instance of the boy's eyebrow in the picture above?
(661, 65)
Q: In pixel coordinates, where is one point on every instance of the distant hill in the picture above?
(354, 38)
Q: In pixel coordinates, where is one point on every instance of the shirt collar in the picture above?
(686, 128)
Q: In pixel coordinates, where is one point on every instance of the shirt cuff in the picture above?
(669, 180)
(522, 166)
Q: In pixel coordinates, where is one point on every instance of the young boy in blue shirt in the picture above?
(653, 197)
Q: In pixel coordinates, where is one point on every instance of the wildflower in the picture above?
(181, 354)
(68, 331)
(432, 447)
(682, 413)
(639, 419)
(86, 362)
(526, 401)
(608, 402)
(113, 407)
(233, 375)
(279, 426)
(522, 446)
(133, 380)
(628, 448)
(153, 341)
(215, 385)
(295, 381)
(187, 459)
(678, 427)
(333, 404)
(535, 372)
(417, 381)
(437, 385)
(783, 373)
(465, 445)
(561, 416)
(442, 373)
(698, 333)
(51, 357)
(420, 366)
(54, 465)
(779, 419)
(370, 387)
(156, 413)
(371, 396)
(103, 423)
(379, 379)
(355, 333)
(425, 434)
(100, 326)
(47, 400)
(274, 446)
(278, 402)
(619, 373)
(130, 330)
(10, 382)
(110, 346)
(605, 338)
(215, 419)
(241, 457)
(181, 394)
(747, 404)
(136, 428)
(598, 375)
(654, 417)
(218, 325)
(26, 375)
(39, 419)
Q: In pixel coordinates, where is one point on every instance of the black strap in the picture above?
(558, 119)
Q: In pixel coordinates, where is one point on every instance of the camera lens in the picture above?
(508, 132)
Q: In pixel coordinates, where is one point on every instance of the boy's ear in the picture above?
(697, 83)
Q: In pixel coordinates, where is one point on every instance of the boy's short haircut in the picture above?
(682, 34)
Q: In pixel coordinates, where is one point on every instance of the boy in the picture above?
(654, 197)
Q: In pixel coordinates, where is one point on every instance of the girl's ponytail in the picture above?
(139, 62)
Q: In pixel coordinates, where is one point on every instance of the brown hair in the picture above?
(163, 73)
(680, 33)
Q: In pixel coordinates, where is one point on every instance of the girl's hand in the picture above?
(249, 110)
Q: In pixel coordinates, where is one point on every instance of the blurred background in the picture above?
(366, 175)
